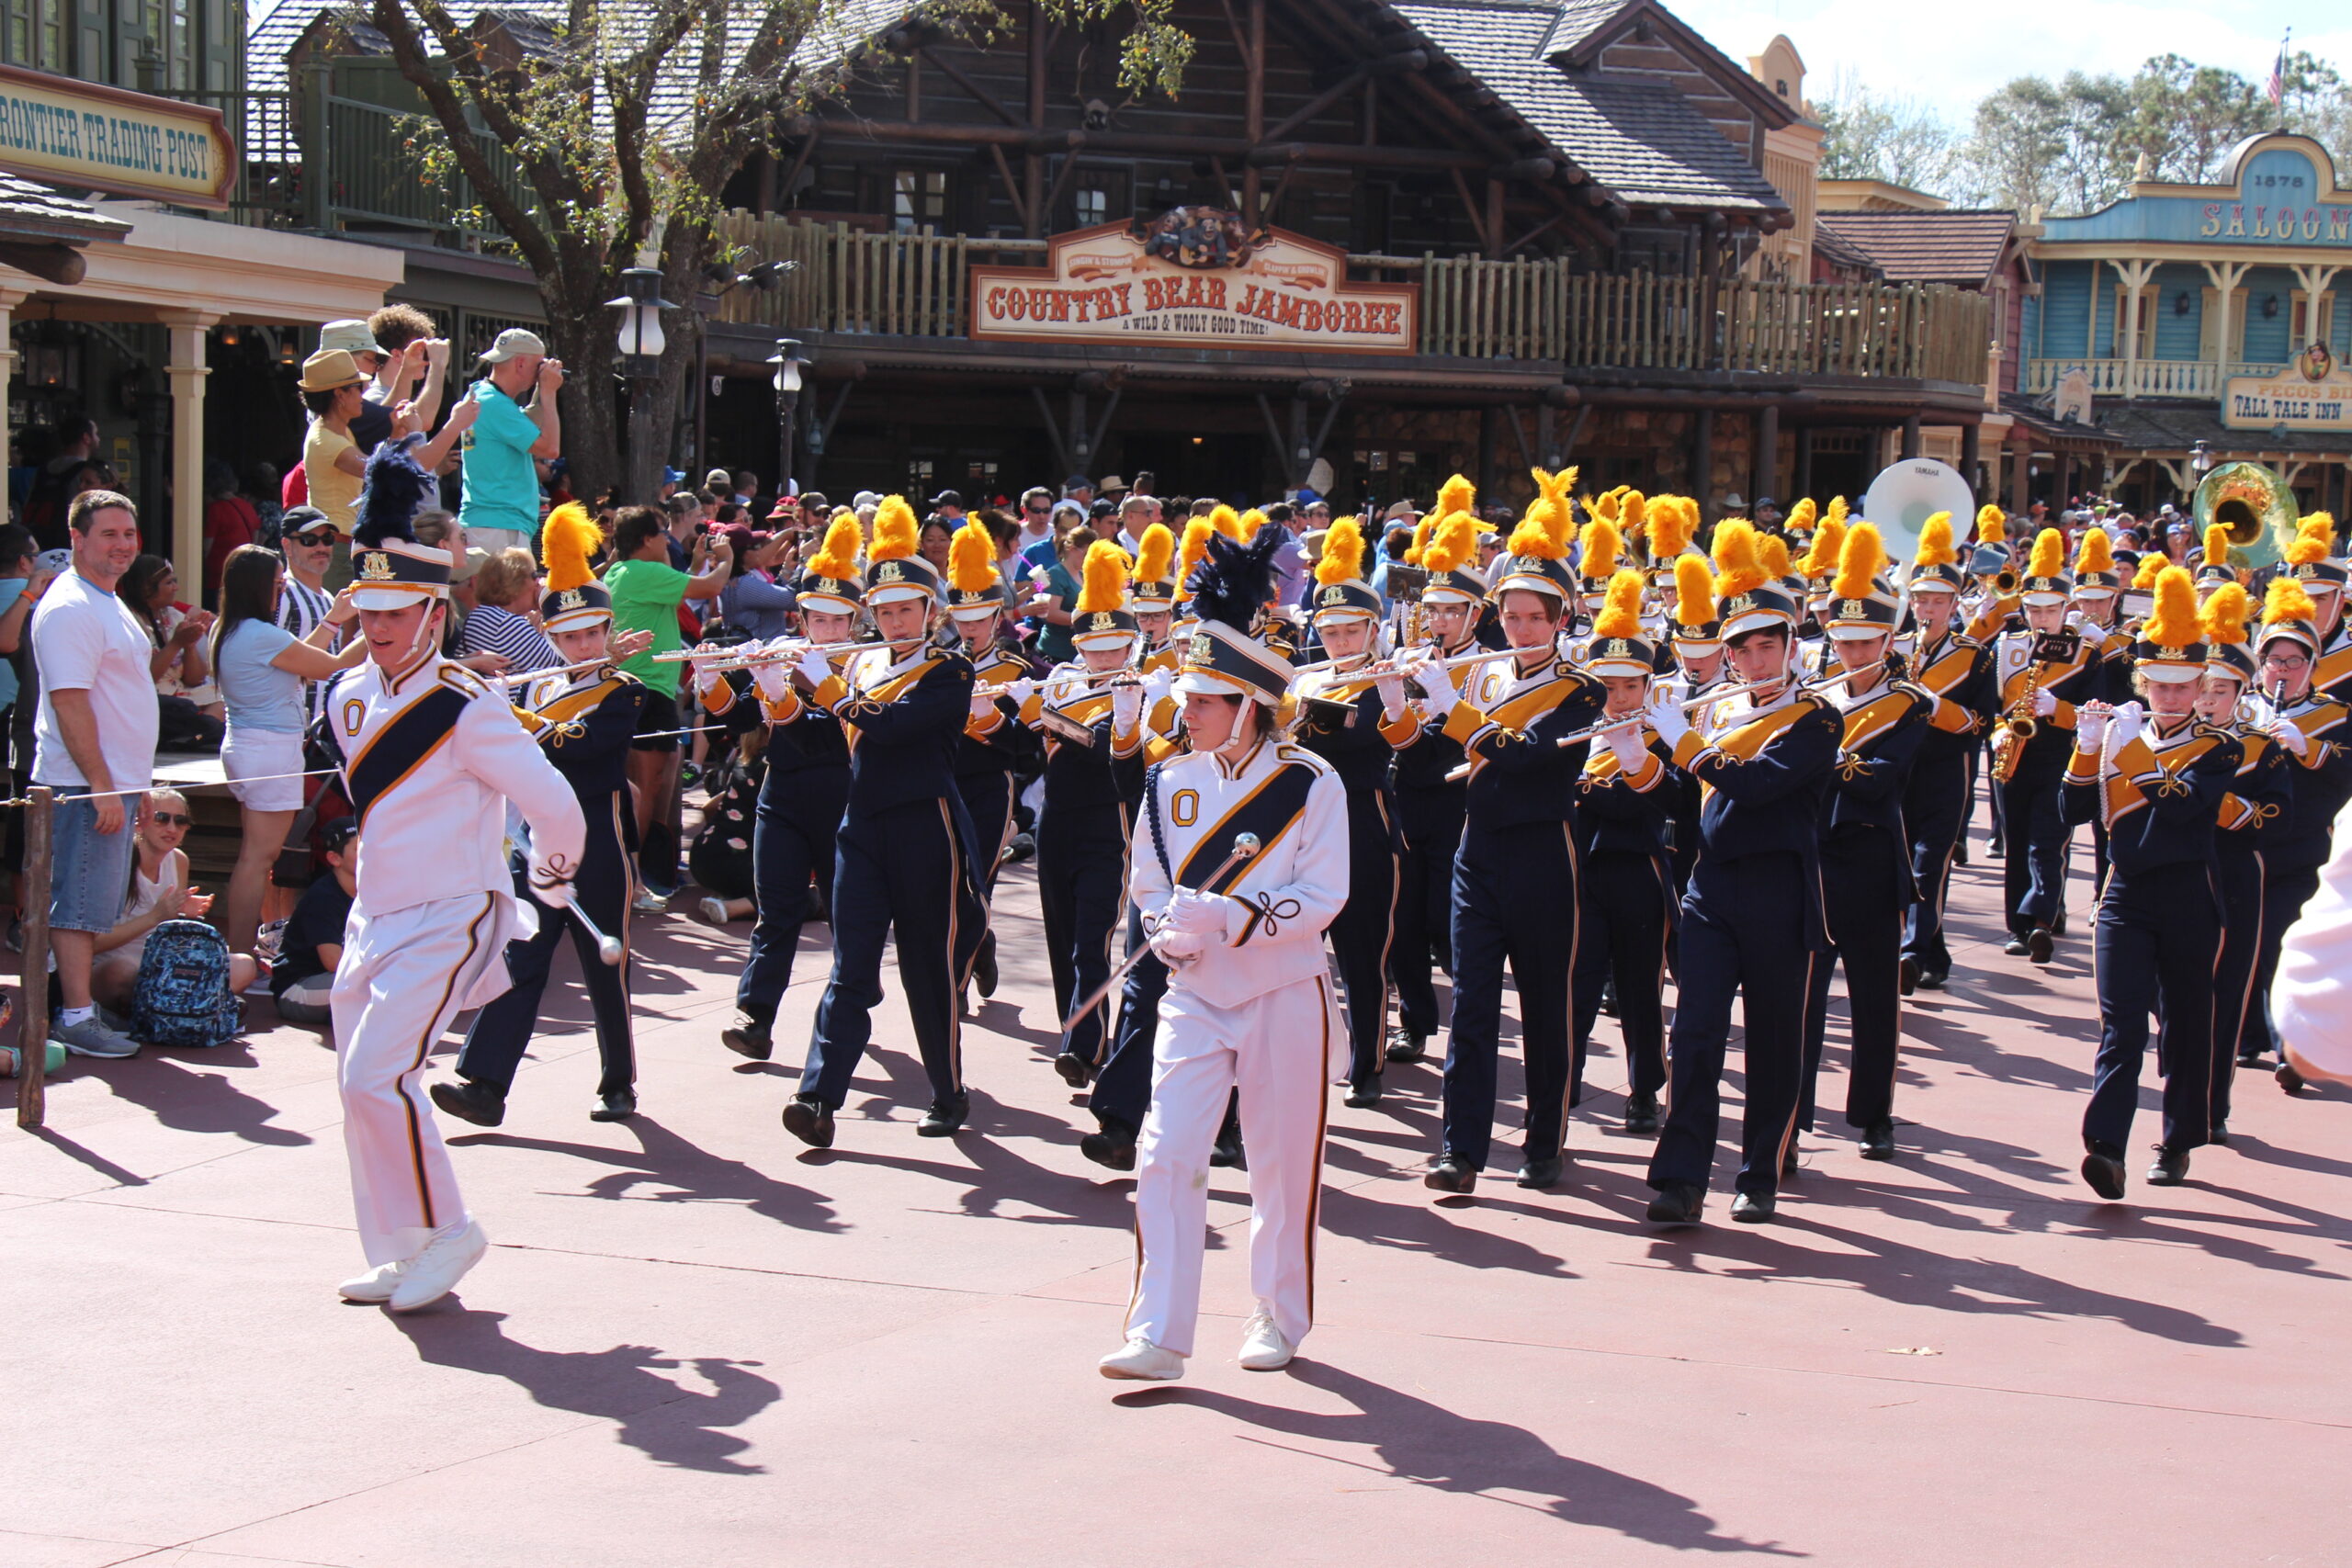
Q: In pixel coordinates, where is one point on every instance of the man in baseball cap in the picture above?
(501, 509)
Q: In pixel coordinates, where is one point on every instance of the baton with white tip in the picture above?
(607, 948)
(1244, 846)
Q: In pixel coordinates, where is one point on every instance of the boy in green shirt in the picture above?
(646, 590)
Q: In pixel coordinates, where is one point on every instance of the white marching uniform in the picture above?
(2312, 997)
(430, 758)
(1254, 1010)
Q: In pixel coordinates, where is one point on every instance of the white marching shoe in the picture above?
(1142, 1361)
(435, 1271)
(376, 1286)
(1263, 1349)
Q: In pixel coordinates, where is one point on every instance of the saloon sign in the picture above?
(1193, 277)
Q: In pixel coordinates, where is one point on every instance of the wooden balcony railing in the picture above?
(917, 286)
(2201, 378)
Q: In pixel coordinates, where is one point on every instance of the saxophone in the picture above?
(2018, 727)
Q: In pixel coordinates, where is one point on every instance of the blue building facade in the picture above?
(2220, 314)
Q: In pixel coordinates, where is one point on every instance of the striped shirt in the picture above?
(489, 629)
(300, 609)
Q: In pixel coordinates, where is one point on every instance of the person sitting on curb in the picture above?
(302, 976)
(160, 890)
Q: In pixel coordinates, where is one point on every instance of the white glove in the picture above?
(1127, 707)
(2293, 740)
(1196, 914)
(814, 667)
(702, 658)
(1177, 948)
(1020, 689)
(1392, 696)
(1625, 745)
(2123, 729)
(551, 884)
(1159, 686)
(1437, 682)
(2080, 625)
(2045, 702)
(774, 680)
(1667, 717)
(983, 705)
(2090, 729)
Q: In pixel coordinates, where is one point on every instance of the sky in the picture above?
(1948, 57)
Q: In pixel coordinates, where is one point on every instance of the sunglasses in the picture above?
(171, 820)
(314, 540)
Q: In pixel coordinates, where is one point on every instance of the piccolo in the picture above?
(1395, 664)
(726, 659)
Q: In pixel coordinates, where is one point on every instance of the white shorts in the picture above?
(261, 755)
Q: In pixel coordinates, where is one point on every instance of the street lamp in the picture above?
(2201, 460)
(640, 306)
(788, 359)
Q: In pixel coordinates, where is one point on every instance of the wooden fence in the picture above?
(918, 286)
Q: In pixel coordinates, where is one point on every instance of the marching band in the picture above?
(1608, 758)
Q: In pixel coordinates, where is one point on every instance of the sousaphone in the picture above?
(2255, 504)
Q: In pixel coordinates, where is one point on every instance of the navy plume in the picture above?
(1236, 581)
(397, 489)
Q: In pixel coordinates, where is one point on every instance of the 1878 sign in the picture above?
(1195, 276)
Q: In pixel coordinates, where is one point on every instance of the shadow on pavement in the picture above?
(672, 1169)
(1425, 1444)
(669, 1424)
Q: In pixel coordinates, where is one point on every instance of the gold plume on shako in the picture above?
(1102, 585)
(1621, 613)
(1739, 564)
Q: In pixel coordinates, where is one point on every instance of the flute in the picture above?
(1039, 682)
(1390, 666)
(729, 660)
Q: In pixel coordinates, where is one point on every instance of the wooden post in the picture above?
(1494, 219)
(1911, 438)
(1253, 111)
(1765, 471)
(1703, 462)
(1033, 167)
(2021, 478)
(1487, 454)
(32, 1025)
(1805, 461)
(1971, 457)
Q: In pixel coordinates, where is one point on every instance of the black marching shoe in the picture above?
(1227, 1153)
(2285, 1078)
(1404, 1045)
(2220, 1134)
(1789, 1160)
(2249, 1058)
(1641, 1114)
(1111, 1147)
(618, 1106)
(1018, 847)
(1677, 1203)
(2103, 1168)
(1908, 975)
(1543, 1171)
(1878, 1139)
(2038, 943)
(1364, 1094)
(1934, 979)
(944, 1120)
(2171, 1167)
(984, 974)
(810, 1120)
(1450, 1173)
(1073, 1069)
(1753, 1208)
(748, 1036)
(483, 1105)
(2015, 947)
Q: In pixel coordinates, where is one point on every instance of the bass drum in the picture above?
(1906, 494)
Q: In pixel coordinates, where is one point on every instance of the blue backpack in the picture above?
(182, 997)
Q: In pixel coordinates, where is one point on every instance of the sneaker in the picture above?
(712, 911)
(1263, 1349)
(435, 1272)
(91, 1037)
(376, 1286)
(649, 902)
(1018, 847)
(1140, 1361)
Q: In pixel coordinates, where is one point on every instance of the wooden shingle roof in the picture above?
(1960, 246)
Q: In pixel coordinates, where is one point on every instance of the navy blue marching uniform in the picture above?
(2034, 829)
(1621, 818)
(1344, 721)
(1752, 924)
(2263, 794)
(1430, 803)
(905, 869)
(994, 747)
(1516, 887)
(1866, 876)
(1957, 672)
(2159, 931)
(585, 723)
(805, 789)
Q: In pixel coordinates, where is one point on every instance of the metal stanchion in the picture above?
(32, 1032)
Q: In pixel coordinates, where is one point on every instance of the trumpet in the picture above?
(762, 655)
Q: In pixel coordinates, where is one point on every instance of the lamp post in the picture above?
(788, 359)
(641, 338)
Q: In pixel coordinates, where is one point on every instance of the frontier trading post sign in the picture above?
(1193, 277)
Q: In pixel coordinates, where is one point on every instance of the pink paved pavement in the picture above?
(696, 1343)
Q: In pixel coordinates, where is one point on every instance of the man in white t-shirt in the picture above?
(94, 738)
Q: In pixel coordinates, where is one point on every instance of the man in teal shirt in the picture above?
(507, 442)
(646, 590)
